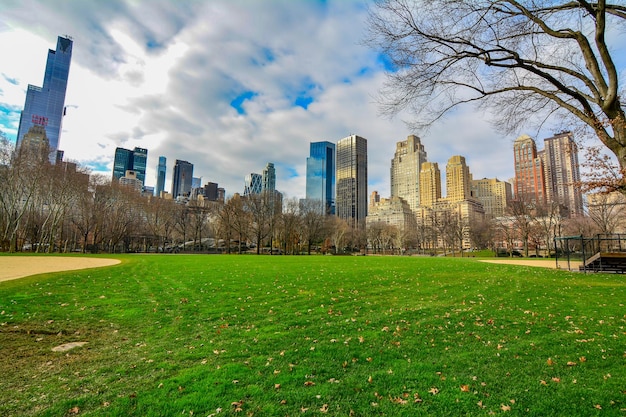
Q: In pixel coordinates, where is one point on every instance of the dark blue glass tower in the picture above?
(127, 160)
(320, 175)
(160, 183)
(181, 181)
(45, 106)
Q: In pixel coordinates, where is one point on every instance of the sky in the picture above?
(228, 85)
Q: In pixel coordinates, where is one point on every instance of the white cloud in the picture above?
(162, 76)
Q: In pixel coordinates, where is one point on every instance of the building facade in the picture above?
(495, 195)
(394, 211)
(181, 178)
(127, 160)
(269, 178)
(253, 184)
(457, 179)
(351, 174)
(320, 175)
(562, 175)
(430, 184)
(405, 170)
(160, 173)
(45, 106)
(529, 174)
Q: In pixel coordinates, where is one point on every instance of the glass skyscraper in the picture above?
(134, 160)
(181, 180)
(160, 180)
(320, 175)
(45, 106)
(269, 178)
(253, 184)
(352, 180)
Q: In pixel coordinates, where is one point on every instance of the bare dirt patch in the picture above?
(543, 263)
(13, 267)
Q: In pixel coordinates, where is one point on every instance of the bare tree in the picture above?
(607, 211)
(528, 60)
(261, 209)
(312, 213)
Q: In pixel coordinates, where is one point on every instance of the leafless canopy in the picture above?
(526, 60)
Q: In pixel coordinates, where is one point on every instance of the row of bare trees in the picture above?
(46, 208)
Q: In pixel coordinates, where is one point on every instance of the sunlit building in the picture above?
(562, 175)
(320, 175)
(495, 195)
(405, 170)
(529, 175)
(430, 184)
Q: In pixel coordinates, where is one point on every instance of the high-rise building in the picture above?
(320, 175)
(430, 184)
(35, 144)
(181, 178)
(131, 180)
(127, 160)
(45, 106)
(405, 170)
(562, 175)
(160, 172)
(529, 175)
(494, 195)
(458, 179)
(269, 178)
(253, 184)
(393, 211)
(351, 202)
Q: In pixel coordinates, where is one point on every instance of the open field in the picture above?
(322, 335)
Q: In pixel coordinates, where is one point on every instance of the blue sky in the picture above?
(226, 85)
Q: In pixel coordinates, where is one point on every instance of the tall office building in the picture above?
(181, 178)
(562, 175)
(494, 195)
(529, 175)
(320, 175)
(351, 202)
(405, 170)
(269, 178)
(430, 184)
(127, 160)
(253, 184)
(458, 179)
(160, 173)
(45, 106)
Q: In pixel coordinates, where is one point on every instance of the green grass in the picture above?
(286, 336)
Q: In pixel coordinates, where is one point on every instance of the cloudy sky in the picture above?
(227, 85)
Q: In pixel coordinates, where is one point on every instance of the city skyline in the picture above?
(227, 94)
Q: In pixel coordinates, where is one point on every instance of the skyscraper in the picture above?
(352, 180)
(160, 172)
(529, 176)
(430, 184)
(253, 184)
(562, 175)
(269, 178)
(494, 195)
(320, 175)
(45, 106)
(127, 160)
(457, 179)
(181, 178)
(405, 170)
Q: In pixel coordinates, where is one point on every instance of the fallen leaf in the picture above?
(369, 379)
(309, 383)
(324, 408)
(74, 410)
(598, 406)
(570, 363)
(550, 362)
(504, 407)
(276, 386)
(465, 388)
(434, 390)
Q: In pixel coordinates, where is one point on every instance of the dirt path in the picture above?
(13, 267)
(543, 263)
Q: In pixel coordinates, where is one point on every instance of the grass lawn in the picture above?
(298, 335)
